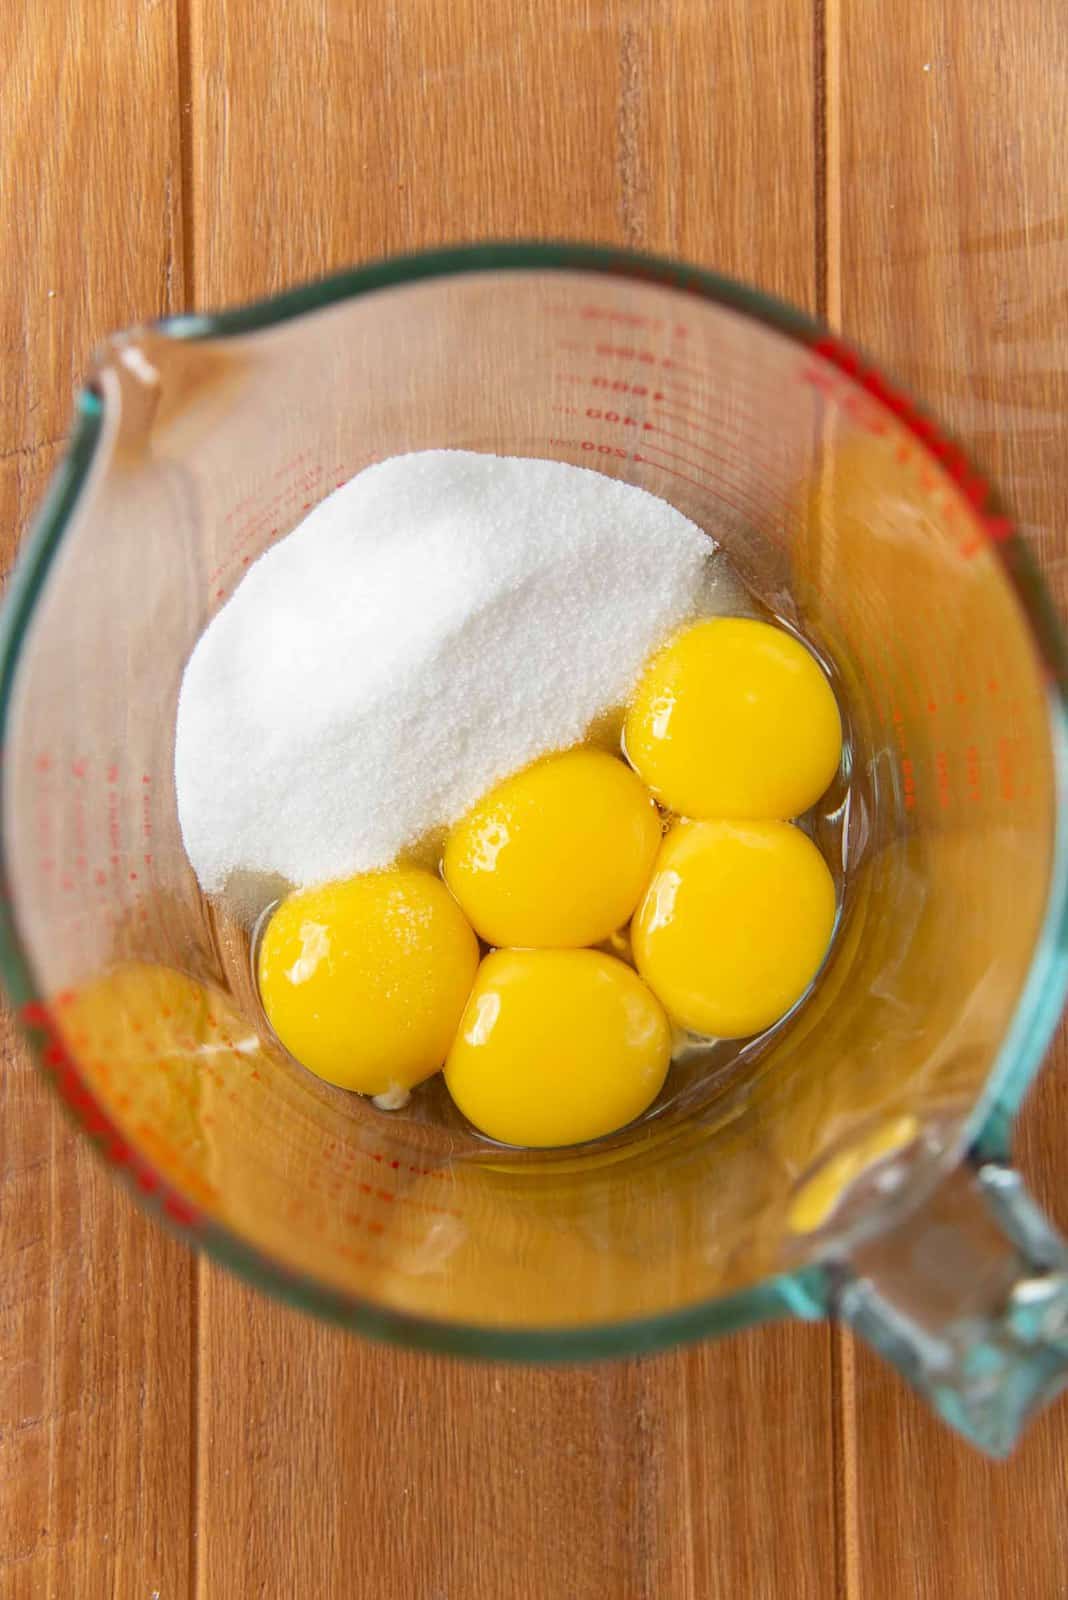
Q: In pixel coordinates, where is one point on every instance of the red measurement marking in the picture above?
(627, 319)
(179, 1210)
(690, 401)
(291, 465)
(663, 467)
(818, 378)
(942, 779)
(747, 509)
(640, 391)
(614, 450)
(360, 1257)
(686, 419)
(427, 1205)
(34, 1014)
(971, 484)
(723, 461)
(596, 414)
(910, 783)
(649, 358)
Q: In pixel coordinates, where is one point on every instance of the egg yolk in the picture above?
(735, 718)
(556, 1047)
(734, 925)
(364, 981)
(557, 855)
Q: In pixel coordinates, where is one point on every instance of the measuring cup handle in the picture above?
(968, 1297)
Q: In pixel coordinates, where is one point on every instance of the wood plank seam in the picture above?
(187, 90)
(827, 92)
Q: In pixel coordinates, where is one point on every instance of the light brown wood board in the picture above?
(162, 1428)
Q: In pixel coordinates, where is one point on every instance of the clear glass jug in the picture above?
(854, 1164)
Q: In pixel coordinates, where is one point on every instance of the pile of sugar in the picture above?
(431, 627)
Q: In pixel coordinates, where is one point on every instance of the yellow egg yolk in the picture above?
(556, 1047)
(364, 981)
(734, 925)
(557, 855)
(735, 718)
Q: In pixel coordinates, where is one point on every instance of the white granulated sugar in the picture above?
(438, 622)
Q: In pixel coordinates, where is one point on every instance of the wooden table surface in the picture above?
(164, 1431)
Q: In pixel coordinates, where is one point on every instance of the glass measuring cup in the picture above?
(856, 1164)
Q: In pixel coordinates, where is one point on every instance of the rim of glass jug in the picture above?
(1041, 1000)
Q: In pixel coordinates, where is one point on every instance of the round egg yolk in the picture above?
(364, 981)
(557, 1047)
(735, 718)
(557, 855)
(734, 925)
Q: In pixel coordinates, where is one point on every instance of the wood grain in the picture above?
(95, 1302)
(947, 258)
(360, 1471)
(163, 1429)
(677, 127)
(664, 124)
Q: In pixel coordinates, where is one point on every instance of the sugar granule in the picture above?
(439, 621)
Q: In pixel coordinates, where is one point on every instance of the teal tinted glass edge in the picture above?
(802, 1294)
(491, 256)
(1038, 1011)
(28, 575)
